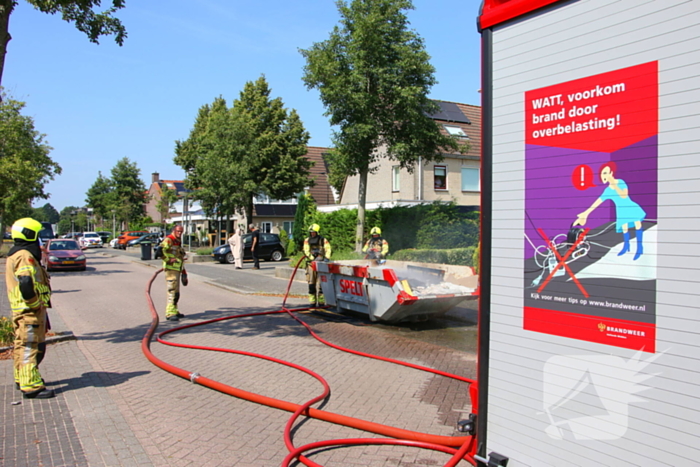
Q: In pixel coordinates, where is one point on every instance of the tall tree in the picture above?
(257, 147)
(101, 197)
(374, 75)
(79, 12)
(129, 190)
(274, 146)
(25, 165)
(51, 214)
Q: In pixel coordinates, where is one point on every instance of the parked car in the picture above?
(46, 232)
(154, 238)
(124, 237)
(271, 249)
(104, 235)
(90, 240)
(63, 254)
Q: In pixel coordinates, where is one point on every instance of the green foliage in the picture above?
(374, 76)
(204, 251)
(476, 258)
(101, 196)
(426, 226)
(7, 333)
(338, 227)
(457, 256)
(127, 192)
(46, 213)
(80, 12)
(306, 209)
(442, 227)
(26, 167)
(284, 238)
(256, 147)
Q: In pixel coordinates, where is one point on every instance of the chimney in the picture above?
(155, 177)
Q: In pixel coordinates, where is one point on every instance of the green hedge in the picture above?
(437, 225)
(456, 256)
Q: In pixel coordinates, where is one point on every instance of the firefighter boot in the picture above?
(42, 393)
(312, 295)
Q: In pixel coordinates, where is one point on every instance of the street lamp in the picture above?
(72, 225)
(114, 225)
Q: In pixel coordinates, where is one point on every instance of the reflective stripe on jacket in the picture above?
(20, 264)
(320, 247)
(377, 244)
(172, 249)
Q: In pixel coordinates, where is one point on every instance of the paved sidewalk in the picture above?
(114, 408)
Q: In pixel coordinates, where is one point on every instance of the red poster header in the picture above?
(602, 113)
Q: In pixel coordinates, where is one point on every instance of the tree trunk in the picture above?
(249, 214)
(361, 201)
(6, 8)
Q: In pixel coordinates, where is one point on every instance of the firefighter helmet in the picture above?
(26, 229)
(375, 231)
(314, 228)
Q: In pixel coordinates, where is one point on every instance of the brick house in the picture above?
(456, 178)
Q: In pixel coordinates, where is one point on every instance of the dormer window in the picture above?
(456, 131)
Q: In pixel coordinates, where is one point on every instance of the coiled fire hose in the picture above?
(397, 436)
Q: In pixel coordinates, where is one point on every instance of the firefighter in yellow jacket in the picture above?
(174, 257)
(316, 248)
(29, 293)
(376, 247)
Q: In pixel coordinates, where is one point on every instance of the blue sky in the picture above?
(100, 103)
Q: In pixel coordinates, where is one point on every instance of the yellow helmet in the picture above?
(314, 228)
(26, 229)
(375, 231)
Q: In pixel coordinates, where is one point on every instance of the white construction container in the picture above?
(390, 295)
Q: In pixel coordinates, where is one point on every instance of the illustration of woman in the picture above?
(628, 212)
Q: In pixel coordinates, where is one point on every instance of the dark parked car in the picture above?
(63, 254)
(104, 235)
(46, 232)
(271, 249)
(154, 238)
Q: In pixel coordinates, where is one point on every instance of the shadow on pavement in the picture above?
(97, 379)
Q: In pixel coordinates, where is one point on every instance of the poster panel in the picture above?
(591, 189)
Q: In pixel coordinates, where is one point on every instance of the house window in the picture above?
(266, 227)
(456, 131)
(440, 177)
(288, 226)
(396, 178)
(471, 180)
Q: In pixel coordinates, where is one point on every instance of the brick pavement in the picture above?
(115, 408)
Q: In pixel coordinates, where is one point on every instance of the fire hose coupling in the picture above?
(194, 376)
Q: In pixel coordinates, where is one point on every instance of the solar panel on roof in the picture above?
(450, 112)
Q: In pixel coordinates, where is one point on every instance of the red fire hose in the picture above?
(447, 444)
